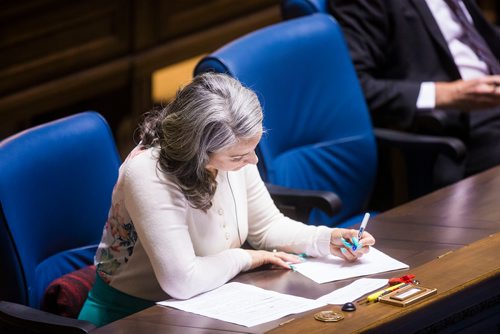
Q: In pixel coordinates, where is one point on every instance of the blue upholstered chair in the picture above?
(319, 132)
(320, 136)
(56, 181)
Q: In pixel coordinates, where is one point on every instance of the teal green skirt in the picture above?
(105, 304)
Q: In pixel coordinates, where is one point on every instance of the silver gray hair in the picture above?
(209, 114)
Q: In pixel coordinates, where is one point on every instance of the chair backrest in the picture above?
(56, 181)
(291, 9)
(320, 135)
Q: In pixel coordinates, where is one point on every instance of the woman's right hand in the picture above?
(341, 235)
(280, 259)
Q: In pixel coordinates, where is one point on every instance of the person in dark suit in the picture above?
(411, 61)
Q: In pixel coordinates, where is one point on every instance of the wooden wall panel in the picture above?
(42, 40)
(158, 21)
(58, 54)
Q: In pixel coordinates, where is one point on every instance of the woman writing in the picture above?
(187, 197)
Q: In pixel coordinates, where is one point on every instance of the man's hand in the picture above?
(469, 95)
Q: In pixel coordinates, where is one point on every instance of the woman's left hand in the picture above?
(280, 259)
(341, 240)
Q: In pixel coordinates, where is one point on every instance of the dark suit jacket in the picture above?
(395, 45)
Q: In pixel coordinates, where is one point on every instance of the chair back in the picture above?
(319, 134)
(56, 181)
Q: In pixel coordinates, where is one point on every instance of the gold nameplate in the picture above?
(408, 295)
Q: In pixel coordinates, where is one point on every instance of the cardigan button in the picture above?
(221, 212)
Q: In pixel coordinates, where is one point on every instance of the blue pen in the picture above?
(363, 225)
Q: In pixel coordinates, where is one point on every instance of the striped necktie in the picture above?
(473, 39)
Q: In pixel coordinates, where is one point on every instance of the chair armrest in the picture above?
(18, 318)
(412, 165)
(432, 122)
(451, 147)
(305, 200)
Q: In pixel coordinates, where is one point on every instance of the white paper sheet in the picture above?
(353, 291)
(244, 304)
(331, 268)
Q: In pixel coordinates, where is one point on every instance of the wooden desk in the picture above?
(449, 238)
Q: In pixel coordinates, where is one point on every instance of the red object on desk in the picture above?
(403, 279)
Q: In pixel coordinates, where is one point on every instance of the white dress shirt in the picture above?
(469, 65)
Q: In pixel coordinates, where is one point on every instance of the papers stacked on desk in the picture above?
(331, 268)
(248, 305)
(244, 304)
